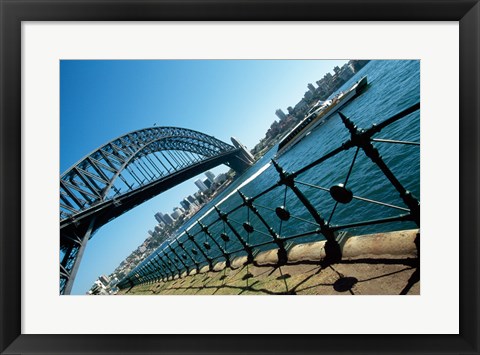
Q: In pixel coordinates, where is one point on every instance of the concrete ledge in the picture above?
(392, 245)
(220, 266)
(388, 245)
(314, 251)
(239, 262)
(204, 269)
(269, 257)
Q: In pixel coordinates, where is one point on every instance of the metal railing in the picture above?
(245, 230)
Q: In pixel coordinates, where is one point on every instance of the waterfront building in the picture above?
(207, 183)
(220, 179)
(105, 280)
(280, 114)
(167, 219)
(308, 95)
(301, 106)
(159, 217)
(210, 176)
(199, 197)
(185, 204)
(176, 213)
(201, 185)
(192, 199)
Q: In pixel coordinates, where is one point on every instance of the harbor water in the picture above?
(392, 86)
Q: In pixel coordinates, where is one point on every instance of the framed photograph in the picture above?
(291, 143)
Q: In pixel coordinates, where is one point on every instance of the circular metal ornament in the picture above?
(282, 213)
(248, 227)
(341, 194)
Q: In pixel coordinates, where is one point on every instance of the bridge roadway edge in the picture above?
(115, 207)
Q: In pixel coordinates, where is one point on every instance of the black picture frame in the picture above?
(13, 12)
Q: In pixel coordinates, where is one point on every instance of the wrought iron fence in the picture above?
(224, 236)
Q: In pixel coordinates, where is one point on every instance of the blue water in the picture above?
(392, 87)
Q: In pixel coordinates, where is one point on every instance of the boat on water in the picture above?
(320, 115)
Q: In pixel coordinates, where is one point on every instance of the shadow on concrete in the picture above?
(345, 276)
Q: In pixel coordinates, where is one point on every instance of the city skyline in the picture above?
(128, 95)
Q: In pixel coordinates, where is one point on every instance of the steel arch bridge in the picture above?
(126, 172)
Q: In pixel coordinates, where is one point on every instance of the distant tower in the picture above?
(185, 204)
(311, 88)
(201, 185)
(308, 95)
(167, 219)
(280, 114)
(159, 217)
(210, 176)
(192, 199)
(176, 213)
(207, 183)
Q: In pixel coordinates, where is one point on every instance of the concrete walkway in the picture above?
(378, 264)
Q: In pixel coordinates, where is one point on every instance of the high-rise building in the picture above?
(201, 185)
(159, 217)
(105, 280)
(192, 199)
(210, 176)
(280, 114)
(311, 88)
(207, 183)
(185, 204)
(199, 196)
(150, 232)
(167, 219)
(308, 95)
(176, 213)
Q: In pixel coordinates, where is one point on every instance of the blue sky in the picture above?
(101, 100)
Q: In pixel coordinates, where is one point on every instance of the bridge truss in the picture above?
(126, 172)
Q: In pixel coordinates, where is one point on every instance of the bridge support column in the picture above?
(78, 258)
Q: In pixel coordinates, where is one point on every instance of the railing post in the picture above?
(282, 253)
(209, 260)
(361, 138)
(332, 248)
(248, 249)
(197, 265)
(207, 232)
(179, 258)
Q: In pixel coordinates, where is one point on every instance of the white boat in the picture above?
(320, 115)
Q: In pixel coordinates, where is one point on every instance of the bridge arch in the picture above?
(126, 172)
